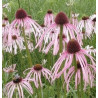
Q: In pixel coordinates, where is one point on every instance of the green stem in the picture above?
(12, 54)
(39, 92)
(58, 88)
(78, 91)
(15, 93)
(9, 59)
(19, 3)
(27, 50)
(60, 51)
(29, 6)
(88, 92)
(61, 40)
(70, 12)
(82, 94)
(75, 64)
(65, 92)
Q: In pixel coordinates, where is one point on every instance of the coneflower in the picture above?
(5, 28)
(49, 18)
(5, 22)
(90, 74)
(55, 44)
(13, 41)
(23, 20)
(69, 30)
(74, 19)
(10, 69)
(30, 46)
(18, 83)
(86, 27)
(73, 51)
(36, 73)
(94, 25)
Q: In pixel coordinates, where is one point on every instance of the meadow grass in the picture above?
(37, 9)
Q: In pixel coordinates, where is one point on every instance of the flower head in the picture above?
(85, 26)
(73, 51)
(74, 19)
(49, 18)
(21, 14)
(5, 25)
(5, 28)
(35, 74)
(73, 46)
(13, 41)
(30, 46)
(55, 43)
(18, 83)
(90, 74)
(69, 30)
(22, 20)
(10, 69)
(49, 11)
(93, 18)
(61, 18)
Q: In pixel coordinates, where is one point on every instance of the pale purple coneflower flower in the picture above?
(23, 20)
(5, 27)
(30, 29)
(30, 46)
(93, 18)
(19, 84)
(49, 18)
(73, 51)
(5, 37)
(85, 26)
(49, 38)
(14, 41)
(10, 69)
(90, 74)
(36, 73)
(68, 29)
(43, 27)
(74, 19)
(55, 44)
(94, 25)
(5, 22)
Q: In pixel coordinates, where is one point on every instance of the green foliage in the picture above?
(37, 9)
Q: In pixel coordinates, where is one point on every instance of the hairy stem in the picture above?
(27, 50)
(82, 94)
(61, 40)
(60, 51)
(19, 3)
(29, 6)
